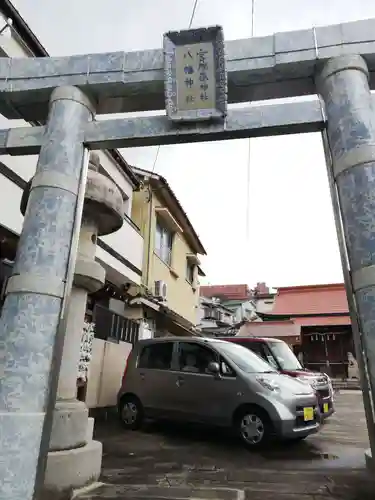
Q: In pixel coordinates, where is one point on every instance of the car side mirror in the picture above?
(214, 368)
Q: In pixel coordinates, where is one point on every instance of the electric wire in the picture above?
(190, 24)
(248, 178)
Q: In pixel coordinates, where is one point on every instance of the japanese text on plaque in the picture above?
(195, 76)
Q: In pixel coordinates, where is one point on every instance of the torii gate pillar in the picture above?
(343, 84)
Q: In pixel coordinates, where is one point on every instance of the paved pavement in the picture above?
(182, 462)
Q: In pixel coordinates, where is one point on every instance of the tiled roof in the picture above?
(276, 329)
(323, 321)
(232, 292)
(312, 299)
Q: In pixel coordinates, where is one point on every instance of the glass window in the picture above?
(225, 369)
(243, 358)
(190, 271)
(163, 243)
(194, 358)
(208, 313)
(285, 356)
(256, 347)
(156, 356)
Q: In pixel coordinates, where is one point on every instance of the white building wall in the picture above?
(105, 372)
(265, 305)
(12, 46)
(203, 322)
(10, 197)
(127, 242)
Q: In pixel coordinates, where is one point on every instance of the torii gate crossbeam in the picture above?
(276, 66)
(254, 121)
(68, 91)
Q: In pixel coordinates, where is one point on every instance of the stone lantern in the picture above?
(74, 459)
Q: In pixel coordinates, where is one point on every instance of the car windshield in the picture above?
(285, 356)
(243, 358)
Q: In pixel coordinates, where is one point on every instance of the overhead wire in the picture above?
(153, 170)
(248, 178)
(195, 4)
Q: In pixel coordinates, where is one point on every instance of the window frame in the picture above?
(226, 375)
(190, 268)
(151, 345)
(165, 233)
(261, 352)
(199, 346)
(219, 358)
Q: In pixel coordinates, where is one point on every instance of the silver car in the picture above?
(215, 382)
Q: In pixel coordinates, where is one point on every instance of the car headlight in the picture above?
(308, 380)
(330, 386)
(269, 384)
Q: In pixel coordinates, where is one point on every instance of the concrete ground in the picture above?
(182, 462)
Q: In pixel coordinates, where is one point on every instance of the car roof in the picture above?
(251, 339)
(199, 340)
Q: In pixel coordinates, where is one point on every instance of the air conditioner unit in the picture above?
(161, 290)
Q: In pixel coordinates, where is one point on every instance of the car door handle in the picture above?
(180, 381)
(142, 375)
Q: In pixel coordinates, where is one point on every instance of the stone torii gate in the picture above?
(337, 62)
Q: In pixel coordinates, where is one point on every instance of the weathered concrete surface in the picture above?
(31, 341)
(275, 66)
(346, 384)
(343, 83)
(180, 462)
(252, 121)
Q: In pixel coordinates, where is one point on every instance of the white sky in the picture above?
(292, 233)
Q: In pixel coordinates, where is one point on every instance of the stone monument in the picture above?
(353, 371)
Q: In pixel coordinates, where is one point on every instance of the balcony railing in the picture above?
(114, 327)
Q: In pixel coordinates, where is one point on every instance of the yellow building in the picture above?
(169, 296)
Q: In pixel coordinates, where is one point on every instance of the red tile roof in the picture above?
(322, 321)
(319, 299)
(276, 329)
(230, 292)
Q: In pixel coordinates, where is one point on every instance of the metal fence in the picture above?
(114, 327)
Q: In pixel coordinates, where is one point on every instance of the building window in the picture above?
(163, 243)
(190, 271)
(212, 313)
(208, 313)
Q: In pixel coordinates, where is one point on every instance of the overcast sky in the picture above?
(292, 233)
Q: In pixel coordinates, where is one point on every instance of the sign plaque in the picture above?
(195, 78)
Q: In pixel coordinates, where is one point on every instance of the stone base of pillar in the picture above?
(90, 429)
(69, 429)
(370, 462)
(69, 470)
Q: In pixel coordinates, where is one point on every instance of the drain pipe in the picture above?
(149, 201)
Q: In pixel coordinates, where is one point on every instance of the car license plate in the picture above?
(325, 408)
(308, 414)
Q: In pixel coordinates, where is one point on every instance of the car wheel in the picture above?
(131, 412)
(254, 428)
